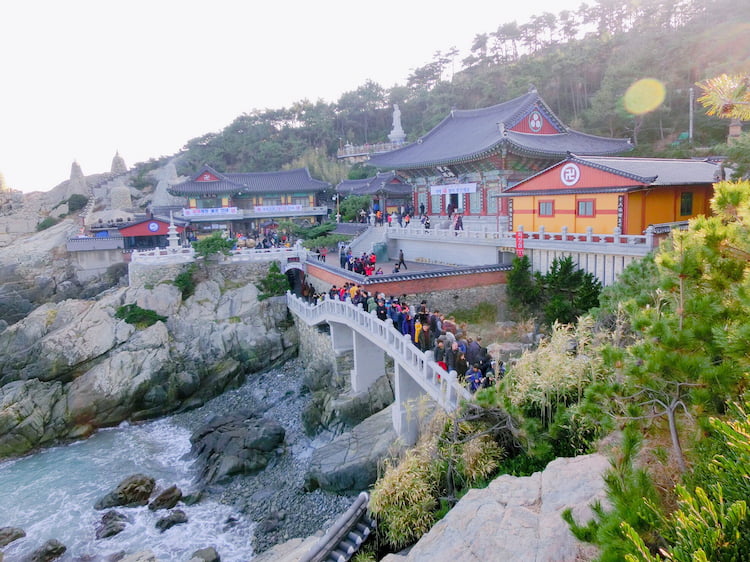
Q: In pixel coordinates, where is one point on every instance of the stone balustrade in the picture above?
(541, 239)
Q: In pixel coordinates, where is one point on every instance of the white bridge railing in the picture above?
(441, 386)
(187, 253)
(639, 244)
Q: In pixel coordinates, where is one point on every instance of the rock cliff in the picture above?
(70, 368)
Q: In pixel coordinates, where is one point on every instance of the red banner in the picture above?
(519, 243)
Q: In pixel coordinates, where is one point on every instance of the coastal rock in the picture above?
(133, 491)
(112, 523)
(349, 463)
(523, 514)
(349, 410)
(29, 415)
(100, 370)
(166, 499)
(205, 555)
(142, 556)
(10, 534)
(55, 339)
(241, 443)
(175, 517)
(107, 393)
(292, 550)
(50, 550)
(35, 270)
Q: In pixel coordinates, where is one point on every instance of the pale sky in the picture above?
(82, 79)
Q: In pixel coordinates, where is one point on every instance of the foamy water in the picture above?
(51, 494)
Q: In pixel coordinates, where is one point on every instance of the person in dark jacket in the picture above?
(474, 378)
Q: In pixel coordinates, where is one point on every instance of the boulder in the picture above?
(271, 522)
(142, 556)
(29, 415)
(133, 491)
(240, 443)
(205, 555)
(292, 550)
(10, 534)
(350, 410)
(112, 523)
(50, 550)
(349, 464)
(175, 517)
(519, 518)
(166, 499)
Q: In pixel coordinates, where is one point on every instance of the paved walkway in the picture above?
(411, 266)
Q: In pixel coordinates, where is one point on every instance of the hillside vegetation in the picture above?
(581, 62)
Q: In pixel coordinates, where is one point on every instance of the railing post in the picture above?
(564, 234)
(589, 234)
(650, 236)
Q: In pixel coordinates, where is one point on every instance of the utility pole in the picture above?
(690, 129)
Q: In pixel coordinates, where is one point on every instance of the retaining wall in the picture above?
(142, 274)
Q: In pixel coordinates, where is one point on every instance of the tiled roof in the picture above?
(381, 182)
(297, 180)
(657, 171)
(466, 135)
(649, 171)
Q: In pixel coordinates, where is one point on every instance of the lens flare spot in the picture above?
(644, 95)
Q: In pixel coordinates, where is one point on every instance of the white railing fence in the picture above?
(540, 238)
(441, 386)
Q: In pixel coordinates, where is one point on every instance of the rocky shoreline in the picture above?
(274, 497)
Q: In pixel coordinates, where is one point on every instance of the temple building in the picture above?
(472, 156)
(249, 202)
(386, 191)
(150, 233)
(608, 193)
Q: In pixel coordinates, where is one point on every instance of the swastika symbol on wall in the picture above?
(570, 174)
(535, 121)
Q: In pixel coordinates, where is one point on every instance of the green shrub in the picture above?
(185, 281)
(139, 317)
(274, 284)
(328, 241)
(629, 490)
(213, 245)
(45, 223)
(77, 202)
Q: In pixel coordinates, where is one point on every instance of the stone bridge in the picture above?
(370, 339)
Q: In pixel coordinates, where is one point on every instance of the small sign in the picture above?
(153, 226)
(519, 243)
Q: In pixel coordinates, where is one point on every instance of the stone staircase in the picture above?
(365, 242)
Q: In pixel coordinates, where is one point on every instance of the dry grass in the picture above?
(501, 332)
(657, 455)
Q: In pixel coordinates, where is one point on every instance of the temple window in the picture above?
(585, 208)
(686, 204)
(546, 208)
(475, 202)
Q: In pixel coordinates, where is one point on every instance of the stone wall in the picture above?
(447, 301)
(146, 274)
(315, 345)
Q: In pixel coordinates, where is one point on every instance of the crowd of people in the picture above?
(454, 349)
(366, 264)
(408, 217)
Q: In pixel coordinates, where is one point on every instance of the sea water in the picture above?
(51, 494)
